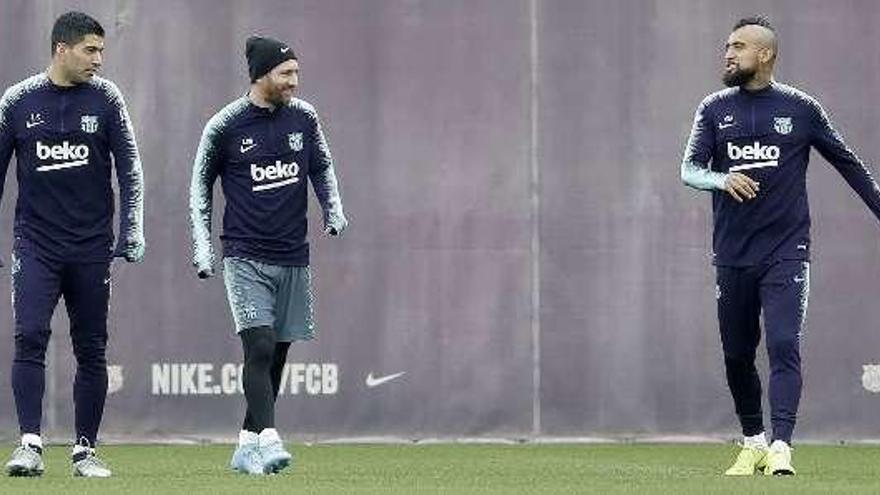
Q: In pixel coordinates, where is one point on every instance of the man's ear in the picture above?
(766, 54)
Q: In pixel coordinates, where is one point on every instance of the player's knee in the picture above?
(261, 354)
(739, 357)
(91, 351)
(92, 359)
(31, 344)
(783, 349)
(260, 346)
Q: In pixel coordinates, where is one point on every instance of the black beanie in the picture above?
(263, 54)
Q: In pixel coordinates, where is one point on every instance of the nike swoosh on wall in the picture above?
(372, 381)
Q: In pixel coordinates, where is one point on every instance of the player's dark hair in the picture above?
(72, 27)
(764, 22)
(755, 20)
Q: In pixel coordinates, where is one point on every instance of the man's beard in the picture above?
(76, 75)
(738, 77)
(277, 98)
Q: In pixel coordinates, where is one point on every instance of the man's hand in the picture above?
(334, 229)
(204, 265)
(132, 252)
(740, 186)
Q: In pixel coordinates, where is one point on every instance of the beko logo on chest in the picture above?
(271, 176)
(766, 155)
(65, 155)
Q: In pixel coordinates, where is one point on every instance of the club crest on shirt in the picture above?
(782, 125)
(871, 377)
(89, 124)
(295, 140)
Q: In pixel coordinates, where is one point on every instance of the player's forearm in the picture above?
(3, 166)
(700, 177)
(130, 177)
(859, 178)
(832, 147)
(326, 189)
(200, 209)
(6, 150)
(200, 222)
(131, 204)
(323, 178)
(5, 156)
(201, 198)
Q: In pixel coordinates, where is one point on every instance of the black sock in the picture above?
(259, 349)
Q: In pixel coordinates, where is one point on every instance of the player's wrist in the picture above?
(335, 225)
(204, 269)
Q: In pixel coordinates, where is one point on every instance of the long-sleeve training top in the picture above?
(262, 157)
(766, 135)
(63, 139)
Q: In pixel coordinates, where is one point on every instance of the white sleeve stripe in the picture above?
(200, 195)
(16, 92)
(135, 210)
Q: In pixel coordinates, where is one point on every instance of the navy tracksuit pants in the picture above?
(37, 284)
(780, 291)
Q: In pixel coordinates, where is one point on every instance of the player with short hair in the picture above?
(63, 126)
(264, 147)
(750, 145)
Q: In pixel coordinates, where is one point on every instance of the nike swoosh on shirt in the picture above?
(285, 49)
(245, 149)
(376, 381)
(33, 124)
(725, 126)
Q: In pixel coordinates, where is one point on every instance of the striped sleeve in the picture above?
(7, 140)
(695, 170)
(7, 133)
(322, 174)
(130, 176)
(206, 168)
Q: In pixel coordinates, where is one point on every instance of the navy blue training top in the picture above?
(263, 158)
(63, 139)
(767, 135)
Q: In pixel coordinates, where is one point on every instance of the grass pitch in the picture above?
(454, 469)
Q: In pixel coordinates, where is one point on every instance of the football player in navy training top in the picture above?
(63, 126)
(264, 146)
(749, 146)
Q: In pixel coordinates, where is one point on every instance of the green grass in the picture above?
(452, 469)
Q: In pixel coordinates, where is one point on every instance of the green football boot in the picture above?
(749, 461)
(779, 460)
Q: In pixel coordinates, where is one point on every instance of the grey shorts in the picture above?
(274, 296)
